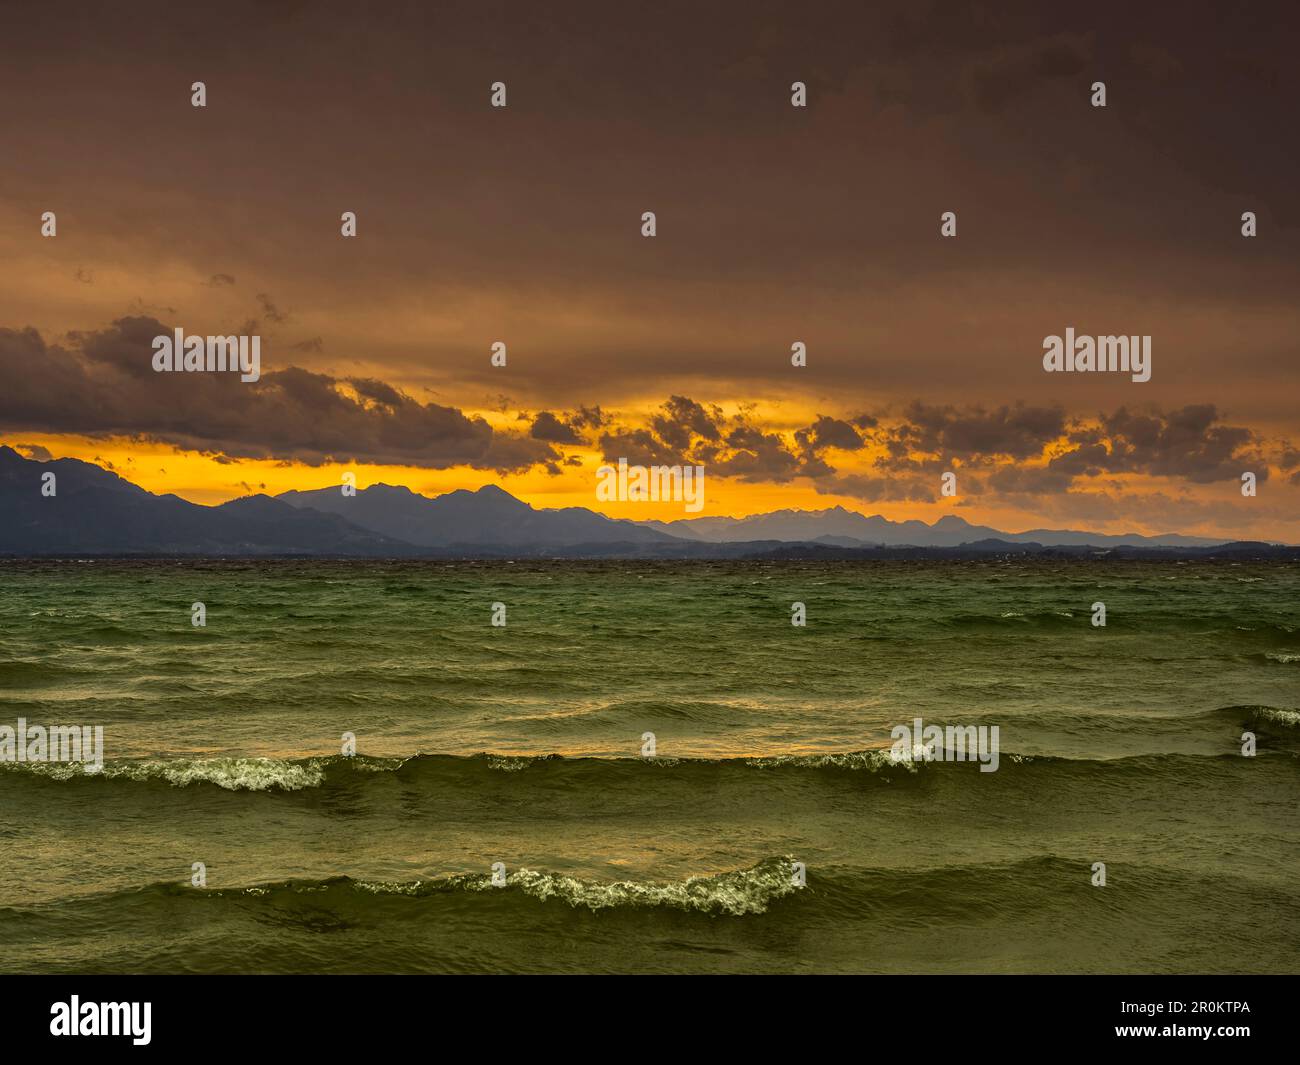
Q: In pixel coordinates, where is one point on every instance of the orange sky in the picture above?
(775, 225)
(201, 479)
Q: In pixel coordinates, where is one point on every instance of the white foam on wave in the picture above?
(736, 893)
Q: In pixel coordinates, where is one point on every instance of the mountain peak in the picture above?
(394, 490)
(259, 502)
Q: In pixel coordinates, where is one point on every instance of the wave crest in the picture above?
(735, 893)
(232, 774)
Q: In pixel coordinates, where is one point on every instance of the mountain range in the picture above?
(94, 511)
(490, 517)
(847, 528)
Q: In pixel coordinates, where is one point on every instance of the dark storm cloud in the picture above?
(566, 428)
(1018, 449)
(1009, 445)
(104, 383)
(828, 432)
(1018, 432)
(588, 418)
(683, 419)
(684, 431)
(640, 447)
(546, 426)
(1185, 443)
(1189, 444)
(756, 455)
(378, 391)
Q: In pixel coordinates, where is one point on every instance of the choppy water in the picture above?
(521, 744)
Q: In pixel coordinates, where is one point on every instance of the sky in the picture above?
(775, 225)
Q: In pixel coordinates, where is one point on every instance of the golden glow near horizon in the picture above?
(211, 479)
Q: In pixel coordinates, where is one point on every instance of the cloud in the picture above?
(828, 432)
(376, 391)
(101, 383)
(588, 418)
(685, 432)
(546, 426)
(756, 455)
(971, 433)
(1036, 451)
(1184, 443)
(104, 384)
(640, 447)
(682, 420)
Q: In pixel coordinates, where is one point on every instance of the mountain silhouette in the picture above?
(847, 528)
(95, 511)
(489, 517)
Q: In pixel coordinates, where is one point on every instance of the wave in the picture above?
(733, 893)
(846, 918)
(233, 774)
(879, 765)
(1247, 713)
(957, 891)
(1277, 716)
(283, 774)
